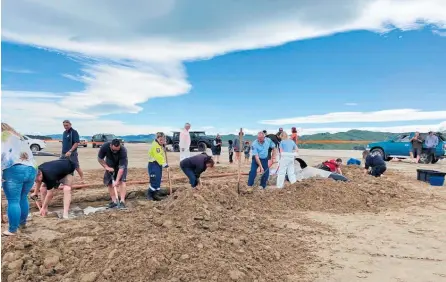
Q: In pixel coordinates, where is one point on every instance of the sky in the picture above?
(142, 66)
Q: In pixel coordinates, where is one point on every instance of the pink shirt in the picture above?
(184, 139)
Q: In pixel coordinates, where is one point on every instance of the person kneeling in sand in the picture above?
(52, 174)
(374, 164)
(194, 166)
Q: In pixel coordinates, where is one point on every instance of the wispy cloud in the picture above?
(30, 95)
(19, 71)
(378, 116)
(351, 104)
(140, 53)
(439, 32)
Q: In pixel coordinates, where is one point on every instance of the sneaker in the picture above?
(163, 192)
(121, 205)
(112, 205)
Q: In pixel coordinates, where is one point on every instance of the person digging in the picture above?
(113, 158)
(52, 174)
(157, 161)
(194, 166)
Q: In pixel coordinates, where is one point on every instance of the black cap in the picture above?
(339, 160)
(116, 142)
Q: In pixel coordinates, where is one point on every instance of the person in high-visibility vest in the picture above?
(157, 161)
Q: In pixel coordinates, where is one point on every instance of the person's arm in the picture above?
(36, 189)
(101, 157)
(367, 165)
(75, 140)
(338, 170)
(274, 152)
(436, 141)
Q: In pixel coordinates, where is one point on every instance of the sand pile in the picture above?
(362, 193)
(194, 237)
(213, 235)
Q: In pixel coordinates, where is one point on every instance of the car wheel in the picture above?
(202, 147)
(377, 151)
(35, 148)
(176, 148)
(425, 158)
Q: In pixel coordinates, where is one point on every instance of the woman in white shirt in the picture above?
(18, 175)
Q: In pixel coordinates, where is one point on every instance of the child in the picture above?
(231, 151)
(247, 150)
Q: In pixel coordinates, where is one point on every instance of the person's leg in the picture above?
(281, 173)
(252, 172)
(290, 170)
(27, 186)
(12, 186)
(230, 157)
(265, 176)
(67, 182)
(417, 160)
(122, 188)
(191, 175)
(75, 158)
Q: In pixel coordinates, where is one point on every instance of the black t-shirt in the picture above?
(373, 161)
(54, 171)
(197, 163)
(114, 160)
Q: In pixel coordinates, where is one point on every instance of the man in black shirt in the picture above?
(70, 142)
(52, 174)
(375, 163)
(194, 166)
(113, 158)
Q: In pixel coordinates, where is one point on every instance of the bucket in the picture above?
(425, 175)
(436, 180)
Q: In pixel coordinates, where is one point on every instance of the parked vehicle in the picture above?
(400, 147)
(35, 145)
(98, 139)
(83, 142)
(199, 141)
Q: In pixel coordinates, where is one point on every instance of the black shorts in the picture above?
(108, 177)
(416, 152)
(377, 170)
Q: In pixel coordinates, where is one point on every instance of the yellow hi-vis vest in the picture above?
(156, 153)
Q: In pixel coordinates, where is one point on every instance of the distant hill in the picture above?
(351, 135)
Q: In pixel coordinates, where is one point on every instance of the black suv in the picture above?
(99, 139)
(198, 140)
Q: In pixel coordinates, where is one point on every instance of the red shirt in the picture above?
(294, 137)
(332, 165)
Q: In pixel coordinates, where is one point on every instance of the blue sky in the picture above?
(325, 79)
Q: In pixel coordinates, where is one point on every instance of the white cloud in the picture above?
(20, 71)
(351, 104)
(378, 116)
(439, 32)
(135, 49)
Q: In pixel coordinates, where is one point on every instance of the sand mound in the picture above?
(212, 235)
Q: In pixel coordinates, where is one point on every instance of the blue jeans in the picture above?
(155, 175)
(19, 179)
(191, 175)
(253, 172)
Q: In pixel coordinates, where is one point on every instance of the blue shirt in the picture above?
(287, 146)
(374, 161)
(69, 138)
(261, 150)
(431, 141)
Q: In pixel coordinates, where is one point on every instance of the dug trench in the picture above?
(211, 235)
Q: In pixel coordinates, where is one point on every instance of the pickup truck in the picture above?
(400, 147)
(199, 141)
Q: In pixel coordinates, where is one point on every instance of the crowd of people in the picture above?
(20, 172)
